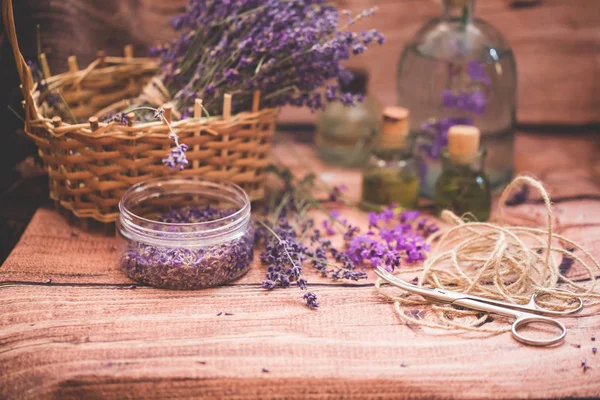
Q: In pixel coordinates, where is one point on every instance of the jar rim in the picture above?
(131, 220)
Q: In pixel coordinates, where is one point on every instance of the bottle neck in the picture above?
(401, 149)
(459, 9)
(473, 164)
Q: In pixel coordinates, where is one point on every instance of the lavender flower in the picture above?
(476, 71)
(585, 365)
(176, 157)
(438, 134)
(470, 99)
(337, 192)
(189, 268)
(287, 49)
(390, 244)
(285, 255)
(311, 300)
(328, 228)
(519, 197)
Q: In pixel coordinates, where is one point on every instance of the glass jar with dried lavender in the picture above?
(185, 233)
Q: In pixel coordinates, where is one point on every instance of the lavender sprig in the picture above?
(470, 99)
(287, 49)
(176, 157)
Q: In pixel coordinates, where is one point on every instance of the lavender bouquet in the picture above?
(290, 50)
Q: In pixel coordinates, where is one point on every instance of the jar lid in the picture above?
(463, 143)
(395, 126)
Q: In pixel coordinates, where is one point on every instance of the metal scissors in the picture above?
(523, 314)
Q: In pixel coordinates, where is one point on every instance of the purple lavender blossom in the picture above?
(477, 103)
(391, 243)
(337, 192)
(438, 133)
(476, 71)
(176, 157)
(471, 99)
(519, 197)
(328, 228)
(189, 268)
(311, 300)
(287, 49)
(449, 100)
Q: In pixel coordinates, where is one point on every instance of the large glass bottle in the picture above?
(459, 70)
(346, 135)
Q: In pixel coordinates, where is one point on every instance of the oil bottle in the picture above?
(391, 175)
(462, 187)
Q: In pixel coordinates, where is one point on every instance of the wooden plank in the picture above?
(557, 45)
(90, 335)
(106, 342)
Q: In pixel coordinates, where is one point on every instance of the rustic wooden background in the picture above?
(90, 335)
(556, 42)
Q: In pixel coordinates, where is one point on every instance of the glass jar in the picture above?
(463, 188)
(346, 135)
(459, 70)
(185, 233)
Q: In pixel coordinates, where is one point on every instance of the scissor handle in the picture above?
(536, 307)
(526, 319)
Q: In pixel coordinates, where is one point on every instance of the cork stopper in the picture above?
(463, 143)
(395, 127)
(93, 123)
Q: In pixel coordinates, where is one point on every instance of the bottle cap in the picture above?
(463, 143)
(395, 127)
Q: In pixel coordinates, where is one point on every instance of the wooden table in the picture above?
(89, 334)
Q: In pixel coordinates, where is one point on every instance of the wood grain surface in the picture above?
(556, 43)
(90, 335)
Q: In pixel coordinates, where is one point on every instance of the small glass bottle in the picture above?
(462, 187)
(346, 135)
(391, 174)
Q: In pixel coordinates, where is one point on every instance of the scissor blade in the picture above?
(435, 294)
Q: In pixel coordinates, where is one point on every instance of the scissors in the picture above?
(523, 314)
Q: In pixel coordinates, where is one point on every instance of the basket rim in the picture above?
(212, 124)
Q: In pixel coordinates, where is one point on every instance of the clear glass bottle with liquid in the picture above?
(346, 135)
(459, 70)
(391, 175)
(463, 186)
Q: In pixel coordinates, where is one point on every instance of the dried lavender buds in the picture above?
(187, 247)
(291, 241)
(189, 268)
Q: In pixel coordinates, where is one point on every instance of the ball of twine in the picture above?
(497, 261)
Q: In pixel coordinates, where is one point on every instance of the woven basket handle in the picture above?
(22, 67)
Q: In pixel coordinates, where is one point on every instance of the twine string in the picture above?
(497, 261)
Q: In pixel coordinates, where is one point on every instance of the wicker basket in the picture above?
(91, 164)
